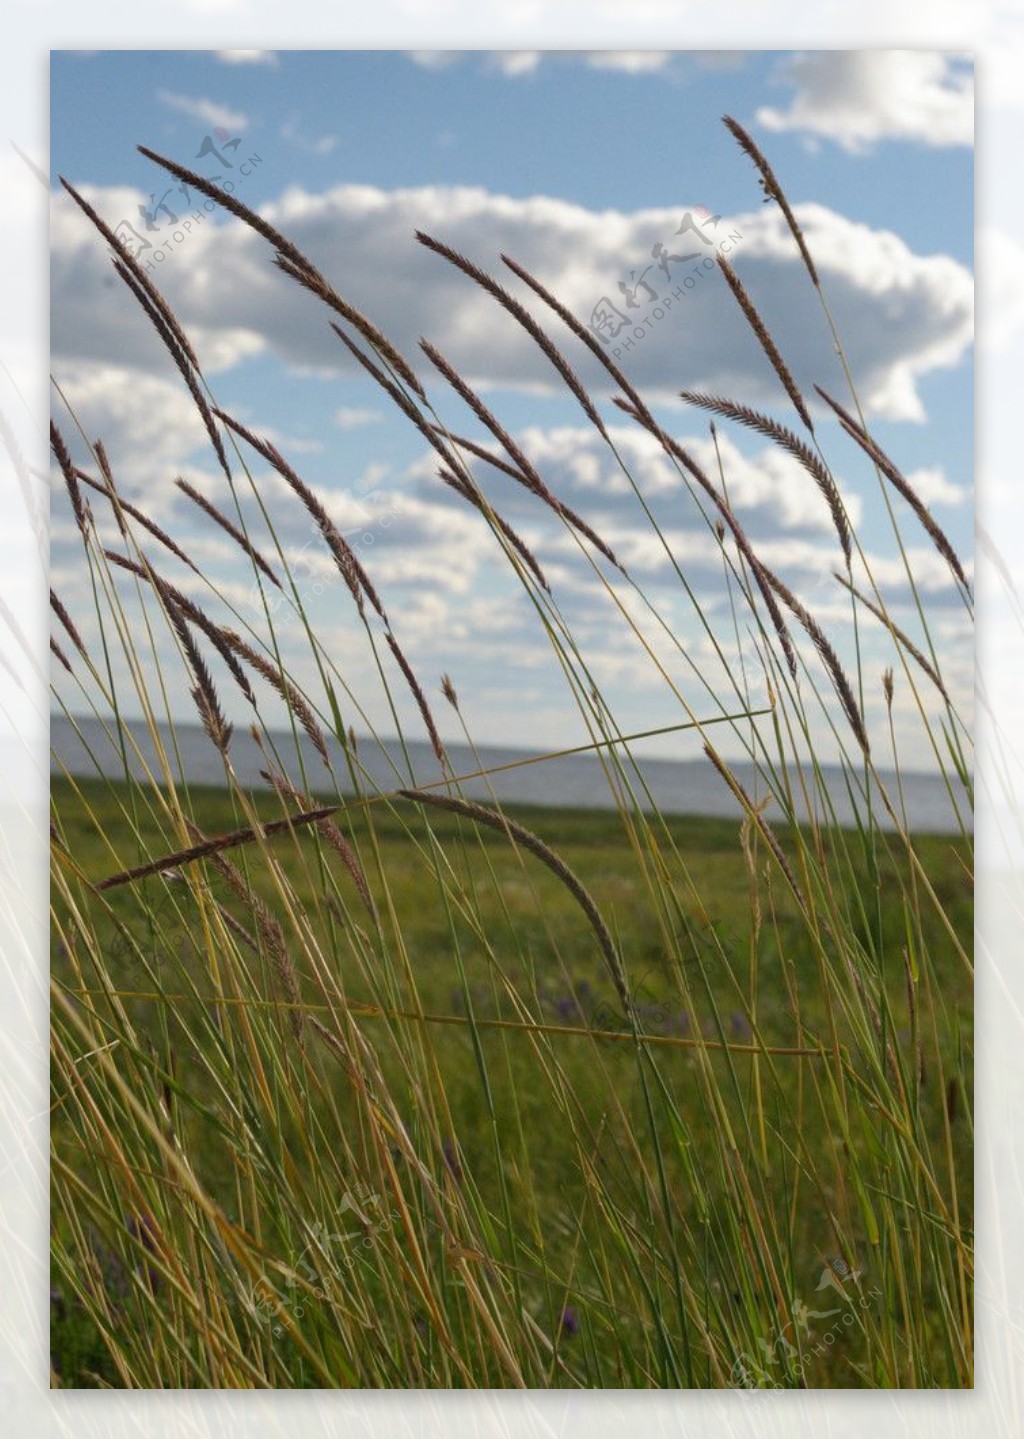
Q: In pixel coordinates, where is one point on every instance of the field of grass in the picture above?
(408, 1091)
(535, 1069)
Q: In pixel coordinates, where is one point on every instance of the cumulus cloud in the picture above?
(768, 489)
(354, 417)
(630, 62)
(440, 570)
(207, 111)
(435, 59)
(148, 425)
(309, 144)
(247, 57)
(934, 487)
(901, 315)
(859, 97)
(515, 62)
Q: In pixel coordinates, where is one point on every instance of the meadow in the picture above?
(399, 1089)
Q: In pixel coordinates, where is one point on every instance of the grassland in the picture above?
(421, 1093)
(535, 1064)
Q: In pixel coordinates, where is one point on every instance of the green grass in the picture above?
(541, 948)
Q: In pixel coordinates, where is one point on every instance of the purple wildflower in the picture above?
(566, 1006)
(569, 1323)
(739, 1025)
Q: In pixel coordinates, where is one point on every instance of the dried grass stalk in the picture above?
(67, 469)
(772, 189)
(204, 692)
(430, 433)
(138, 274)
(580, 331)
(419, 696)
(313, 281)
(209, 847)
(292, 696)
(330, 831)
(898, 635)
(829, 658)
(228, 527)
(529, 841)
(674, 448)
(765, 340)
(268, 929)
(793, 445)
(108, 487)
(523, 316)
(232, 204)
(472, 494)
(524, 471)
(755, 816)
(527, 474)
(56, 650)
(900, 483)
(122, 507)
(178, 355)
(483, 453)
(352, 572)
(171, 595)
(61, 612)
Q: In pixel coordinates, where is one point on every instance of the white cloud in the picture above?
(455, 603)
(148, 425)
(514, 63)
(208, 111)
(354, 417)
(858, 97)
(631, 62)
(310, 144)
(247, 57)
(900, 315)
(435, 59)
(769, 490)
(934, 487)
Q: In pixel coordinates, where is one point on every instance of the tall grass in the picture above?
(373, 1085)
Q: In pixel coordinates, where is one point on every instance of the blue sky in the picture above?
(601, 138)
(574, 161)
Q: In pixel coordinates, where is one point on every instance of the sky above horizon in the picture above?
(580, 165)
